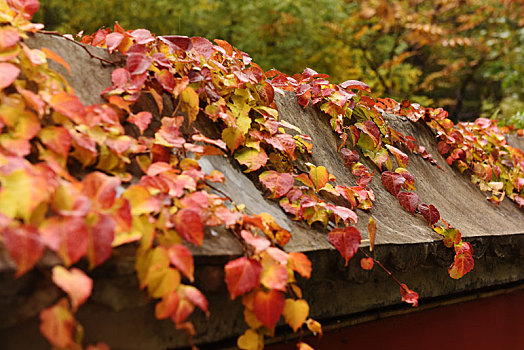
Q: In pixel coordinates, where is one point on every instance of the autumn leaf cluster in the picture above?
(81, 180)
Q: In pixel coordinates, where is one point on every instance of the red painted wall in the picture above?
(490, 323)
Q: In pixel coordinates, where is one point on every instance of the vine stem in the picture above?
(385, 269)
(52, 32)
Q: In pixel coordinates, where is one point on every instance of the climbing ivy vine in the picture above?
(81, 180)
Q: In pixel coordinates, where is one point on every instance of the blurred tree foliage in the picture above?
(464, 55)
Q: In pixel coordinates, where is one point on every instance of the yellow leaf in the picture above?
(190, 103)
(163, 281)
(295, 313)
(21, 193)
(251, 320)
(250, 340)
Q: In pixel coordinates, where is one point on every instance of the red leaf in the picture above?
(300, 263)
(392, 182)
(113, 40)
(371, 129)
(138, 64)
(26, 8)
(349, 156)
(8, 74)
(366, 263)
(101, 235)
(57, 323)
(195, 297)
(345, 240)
(184, 309)
(70, 106)
(120, 77)
(67, 236)
(166, 79)
(408, 295)
(355, 84)
(463, 262)
(409, 201)
(430, 213)
(182, 259)
(101, 189)
(268, 307)
(75, 283)
(202, 46)
(278, 183)
(24, 245)
(242, 275)
(142, 36)
(188, 223)
(141, 120)
(177, 42)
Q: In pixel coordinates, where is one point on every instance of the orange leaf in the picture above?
(184, 309)
(57, 139)
(167, 306)
(53, 56)
(101, 188)
(300, 263)
(314, 326)
(70, 106)
(182, 259)
(268, 307)
(366, 263)
(57, 323)
(303, 346)
(242, 275)
(74, 282)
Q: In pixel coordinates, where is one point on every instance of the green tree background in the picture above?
(466, 56)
